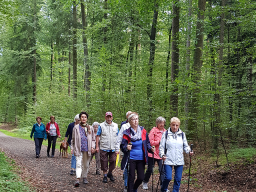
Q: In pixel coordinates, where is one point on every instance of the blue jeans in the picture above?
(125, 177)
(168, 177)
(38, 144)
(73, 162)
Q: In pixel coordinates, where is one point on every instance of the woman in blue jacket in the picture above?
(39, 132)
(135, 144)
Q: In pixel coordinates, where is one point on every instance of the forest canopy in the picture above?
(194, 59)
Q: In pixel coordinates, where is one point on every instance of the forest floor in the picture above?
(52, 174)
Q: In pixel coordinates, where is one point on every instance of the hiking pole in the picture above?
(128, 164)
(191, 147)
(160, 175)
(153, 169)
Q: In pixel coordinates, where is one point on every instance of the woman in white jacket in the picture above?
(171, 148)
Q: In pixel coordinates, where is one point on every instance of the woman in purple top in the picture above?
(83, 146)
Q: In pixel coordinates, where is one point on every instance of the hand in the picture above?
(30, 137)
(97, 149)
(163, 157)
(59, 136)
(191, 153)
(117, 152)
(71, 151)
(153, 149)
(129, 147)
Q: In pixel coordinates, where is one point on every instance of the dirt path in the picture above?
(52, 174)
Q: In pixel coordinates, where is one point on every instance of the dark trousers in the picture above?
(150, 169)
(51, 141)
(107, 159)
(138, 165)
(38, 144)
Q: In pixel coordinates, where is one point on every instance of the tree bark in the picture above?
(151, 60)
(175, 58)
(197, 64)
(86, 64)
(74, 51)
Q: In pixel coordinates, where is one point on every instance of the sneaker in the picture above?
(76, 184)
(144, 185)
(105, 179)
(52, 156)
(85, 181)
(97, 172)
(110, 176)
(72, 172)
(125, 189)
(48, 155)
(37, 156)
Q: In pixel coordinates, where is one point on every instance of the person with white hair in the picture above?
(95, 126)
(68, 138)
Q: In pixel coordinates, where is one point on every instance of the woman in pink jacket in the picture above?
(83, 146)
(155, 136)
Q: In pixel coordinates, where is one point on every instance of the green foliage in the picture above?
(9, 181)
(118, 45)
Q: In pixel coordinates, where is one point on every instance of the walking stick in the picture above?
(153, 169)
(128, 164)
(160, 175)
(191, 147)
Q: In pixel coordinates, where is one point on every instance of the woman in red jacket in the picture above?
(155, 136)
(53, 131)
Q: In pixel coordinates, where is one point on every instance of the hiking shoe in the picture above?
(72, 172)
(76, 184)
(97, 172)
(105, 179)
(144, 185)
(85, 181)
(110, 176)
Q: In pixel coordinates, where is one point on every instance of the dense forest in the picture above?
(194, 59)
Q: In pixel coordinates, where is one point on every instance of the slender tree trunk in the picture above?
(69, 70)
(175, 58)
(151, 60)
(74, 51)
(86, 64)
(167, 67)
(34, 52)
(197, 64)
(187, 94)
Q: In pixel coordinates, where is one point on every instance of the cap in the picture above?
(108, 114)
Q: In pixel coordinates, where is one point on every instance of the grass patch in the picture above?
(9, 181)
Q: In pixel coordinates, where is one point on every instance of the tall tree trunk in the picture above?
(217, 99)
(187, 94)
(197, 64)
(175, 58)
(151, 60)
(34, 52)
(167, 66)
(86, 64)
(69, 70)
(74, 51)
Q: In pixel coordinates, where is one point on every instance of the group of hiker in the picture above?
(105, 141)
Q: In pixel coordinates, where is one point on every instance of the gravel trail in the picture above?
(52, 174)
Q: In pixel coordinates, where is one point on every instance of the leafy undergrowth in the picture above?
(238, 176)
(9, 181)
